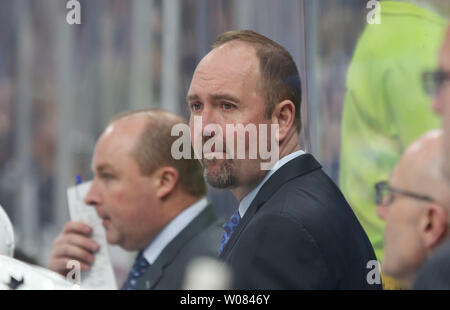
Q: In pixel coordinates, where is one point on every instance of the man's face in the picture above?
(121, 195)
(442, 102)
(225, 90)
(404, 251)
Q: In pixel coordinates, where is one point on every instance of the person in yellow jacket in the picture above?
(385, 106)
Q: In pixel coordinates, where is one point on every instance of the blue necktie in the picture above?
(139, 267)
(229, 228)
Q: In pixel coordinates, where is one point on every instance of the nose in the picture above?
(93, 197)
(208, 117)
(382, 212)
(202, 124)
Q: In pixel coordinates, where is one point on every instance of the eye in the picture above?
(107, 176)
(195, 106)
(227, 106)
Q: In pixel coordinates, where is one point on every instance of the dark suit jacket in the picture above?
(299, 233)
(200, 238)
(435, 273)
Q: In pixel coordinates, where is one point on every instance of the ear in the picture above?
(167, 179)
(434, 225)
(284, 115)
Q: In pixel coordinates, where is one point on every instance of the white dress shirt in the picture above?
(247, 200)
(172, 230)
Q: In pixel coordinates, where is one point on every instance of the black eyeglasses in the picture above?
(433, 81)
(385, 194)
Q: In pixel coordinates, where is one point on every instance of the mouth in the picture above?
(106, 219)
(106, 222)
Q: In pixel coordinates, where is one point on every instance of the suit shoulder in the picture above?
(205, 242)
(435, 273)
(312, 210)
(312, 195)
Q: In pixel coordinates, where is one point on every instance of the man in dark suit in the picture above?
(293, 228)
(149, 202)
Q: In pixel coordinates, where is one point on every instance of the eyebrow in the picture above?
(102, 167)
(192, 98)
(225, 97)
(214, 97)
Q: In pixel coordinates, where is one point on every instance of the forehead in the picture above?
(116, 144)
(401, 176)
(396, 177)
(232, 64)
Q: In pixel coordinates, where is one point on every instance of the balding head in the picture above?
(153, 146)
(138, 187)
(417, 210)
(419, 168)
(278, 74)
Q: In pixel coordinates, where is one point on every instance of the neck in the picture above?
(242, 191)
(287, 146)
(178, 202)
(407, 282)
(290, 144)
(169, 207)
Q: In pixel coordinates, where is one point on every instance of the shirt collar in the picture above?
(171, 230)
(247, 200)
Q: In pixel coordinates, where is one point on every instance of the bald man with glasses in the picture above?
(415, 205)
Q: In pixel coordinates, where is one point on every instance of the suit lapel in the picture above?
(298, 166)
(154, 273)
(151, 277)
